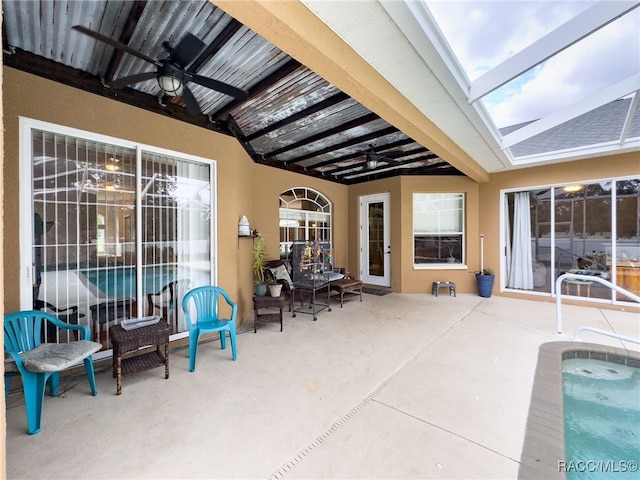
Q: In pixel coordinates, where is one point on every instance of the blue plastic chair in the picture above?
(205, 300)
(40, 363)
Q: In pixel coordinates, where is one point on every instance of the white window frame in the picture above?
(462, 232)
(324, 211)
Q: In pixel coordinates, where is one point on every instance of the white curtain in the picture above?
(521, 268)
(507, 236)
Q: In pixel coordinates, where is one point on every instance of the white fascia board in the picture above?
(418, 26)
(589, 21)
(614, 92)
(579, 153)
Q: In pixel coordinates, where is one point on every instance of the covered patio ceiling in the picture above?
(392, 104)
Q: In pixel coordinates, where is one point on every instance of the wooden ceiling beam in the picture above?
(289, 67)
(344, 158)
(214, 47)
(307, 112)
(347, 143)
(125, 37)
(42, 67)
(370, 117)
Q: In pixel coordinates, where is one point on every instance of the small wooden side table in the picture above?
(125, 341)
(264, 302)
(578, 283)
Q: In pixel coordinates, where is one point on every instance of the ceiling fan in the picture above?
(171, 72)
(373, 157)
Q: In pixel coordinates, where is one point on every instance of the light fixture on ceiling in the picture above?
(372, 163)
(171, 81)
(112, 164)
(573, 188)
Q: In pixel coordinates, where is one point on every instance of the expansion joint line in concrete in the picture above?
(337, 424)
(293, 461)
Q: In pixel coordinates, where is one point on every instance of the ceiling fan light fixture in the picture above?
(372, 163)
(112, 165)
(171, 85)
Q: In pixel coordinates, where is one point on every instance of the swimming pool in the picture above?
(601, 418)
(544, 454)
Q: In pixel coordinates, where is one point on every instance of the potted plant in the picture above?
(275, 288)
(258, 253)
(485, 279)
(451, 244)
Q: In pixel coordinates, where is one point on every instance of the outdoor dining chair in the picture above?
(201, 312)
(167, 303)
(40, 363)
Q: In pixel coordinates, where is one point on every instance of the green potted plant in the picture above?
(258, 253)
(275, 288)
(485, 279)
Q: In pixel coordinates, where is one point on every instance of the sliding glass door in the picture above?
(591, 228)
(116, 230)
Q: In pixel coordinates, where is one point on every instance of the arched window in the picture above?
(305, 214)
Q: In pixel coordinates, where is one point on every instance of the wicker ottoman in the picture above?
(125, 341)
(348, 287)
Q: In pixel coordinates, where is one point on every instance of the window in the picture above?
(305, 215)
(438, 228)
(113, 223)
(590, 227)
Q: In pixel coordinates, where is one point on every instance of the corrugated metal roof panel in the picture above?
(292, 116)
(283, 99)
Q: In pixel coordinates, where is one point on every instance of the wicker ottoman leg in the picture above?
(166, 360)
(118, 375)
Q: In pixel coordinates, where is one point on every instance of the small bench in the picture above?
(438, 285)
(347, 286)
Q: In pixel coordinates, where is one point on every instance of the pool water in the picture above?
(602, 419)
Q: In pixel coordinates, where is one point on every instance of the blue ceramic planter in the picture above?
(485, 284)
(261, 289)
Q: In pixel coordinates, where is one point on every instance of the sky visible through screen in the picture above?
(482, 34)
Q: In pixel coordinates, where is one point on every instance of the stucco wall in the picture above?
(244, 188)
(404, 278)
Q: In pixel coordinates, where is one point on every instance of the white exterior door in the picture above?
(375, 240)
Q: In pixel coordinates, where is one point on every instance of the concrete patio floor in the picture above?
(398, 386)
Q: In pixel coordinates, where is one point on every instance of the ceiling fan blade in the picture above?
(393, 154)
(114, 43)
(190, 101)
(218, 86)
(130, 80)
(186, 51)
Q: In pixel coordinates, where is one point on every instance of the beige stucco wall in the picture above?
(3, 418)
(404, 277)
(244, 188)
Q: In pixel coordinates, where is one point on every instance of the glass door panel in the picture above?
(376, 240)
(627, 245)
(116, 233)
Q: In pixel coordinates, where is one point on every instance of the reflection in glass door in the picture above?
(590, 229)
(375, 241)
(116, 231)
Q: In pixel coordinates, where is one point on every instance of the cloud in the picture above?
(483, 34)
